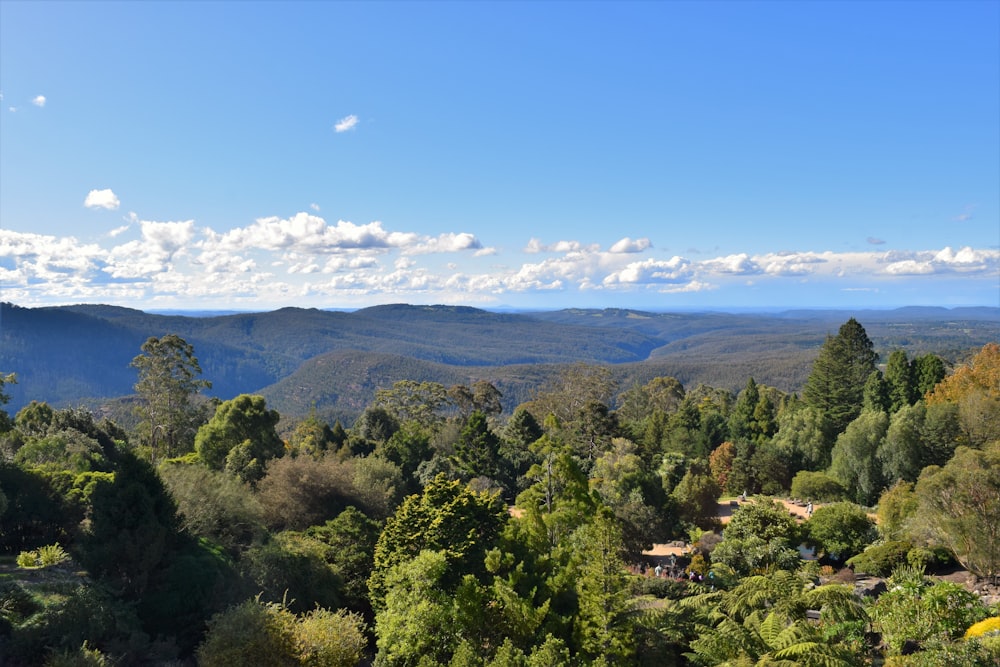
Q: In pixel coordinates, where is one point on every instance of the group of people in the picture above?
(661, 571)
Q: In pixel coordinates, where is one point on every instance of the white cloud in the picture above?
(314, 206)
(653, 271)
(38, 101)
(627, 245)
(346, 123)
(535, 246)
(161, 242)
(304, 259)
(311, 234)
(449, 242)
(740, 264)
(102, 199)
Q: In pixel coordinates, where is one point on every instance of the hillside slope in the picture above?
(335, 360)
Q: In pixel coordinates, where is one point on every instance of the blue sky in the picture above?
(250, 155)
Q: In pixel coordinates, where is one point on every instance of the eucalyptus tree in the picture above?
(168, 382)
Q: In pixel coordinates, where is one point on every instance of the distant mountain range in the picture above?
(297, 358)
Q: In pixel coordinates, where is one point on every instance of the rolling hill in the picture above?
(298, 357)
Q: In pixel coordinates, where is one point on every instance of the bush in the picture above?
(817, 486)
(880, 559)
(268, 634)
(82, 657)
(661, 587)
(51, 554)
(920, 557)
(840, 530)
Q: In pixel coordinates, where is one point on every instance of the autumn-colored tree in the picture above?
(975, 388)
(720, 462)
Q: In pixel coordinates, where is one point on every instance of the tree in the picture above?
(896, 506)
(741, 422)
(975, 388)
(477, 451)
(558, 500)
(300, 492)
(351, 537)
(836, 384)
(447, 517)
(592, 430)
(803, 437)
(697, 495)
(375, 426)
(916, 438)
(840, 530)
(855, 463)
(5, 379)
(928, 370)
(720, 462)
(408, 400)
(817, 486)
(312, 437)
(875, 396)
(168, 380)
(634, 495)
(416, 623)
(133, 527)
(899, 376)
(959, 504)
(759, 537)
(214, 505)
(575, 385)
(603, 625)
(240, 438)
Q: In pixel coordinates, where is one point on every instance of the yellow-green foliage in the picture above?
(268, 634)
(83, 657)
(990, 626)
(50, 554)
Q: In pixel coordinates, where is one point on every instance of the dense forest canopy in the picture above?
(445, 524)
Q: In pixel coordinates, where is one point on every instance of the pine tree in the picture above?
(836, 383)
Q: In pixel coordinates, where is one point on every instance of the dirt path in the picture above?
(724, 513)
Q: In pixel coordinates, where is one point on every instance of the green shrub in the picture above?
(920, 557)
(50, 554)
(817, 486)
(880, 559)
(82, 657)
(16, 603)
(28, 559)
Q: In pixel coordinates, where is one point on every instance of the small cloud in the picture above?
(627, 245)
(874, 241)
(965, 215)
(102, 199)
(346, 123)
(314, 207)
(39, 101)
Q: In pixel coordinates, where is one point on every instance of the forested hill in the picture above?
(299, 357)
